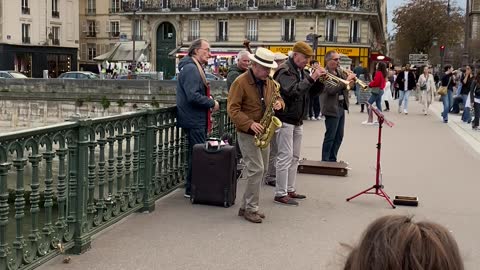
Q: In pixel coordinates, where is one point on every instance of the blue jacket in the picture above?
(192, 102)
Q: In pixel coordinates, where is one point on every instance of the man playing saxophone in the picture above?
(251, 95)
(295, 87)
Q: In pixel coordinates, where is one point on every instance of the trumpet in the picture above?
(332, 80)
(362, 84)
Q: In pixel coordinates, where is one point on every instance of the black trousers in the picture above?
(314, 106)
(194, 136)
(476, 108)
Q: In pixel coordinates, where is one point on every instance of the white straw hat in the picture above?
(264, 57)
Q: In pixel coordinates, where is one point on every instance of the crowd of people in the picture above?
(461, 93)
(264, 80)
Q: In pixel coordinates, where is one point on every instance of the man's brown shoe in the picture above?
(252, 217)
(241, 213)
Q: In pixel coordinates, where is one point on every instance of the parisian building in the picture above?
(39, 37)
(472, 33)
(164, 29)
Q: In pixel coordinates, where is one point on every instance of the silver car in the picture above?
(10, 74)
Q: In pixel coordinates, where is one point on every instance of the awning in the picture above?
(378, 57)
(214, 51)
(123, 52)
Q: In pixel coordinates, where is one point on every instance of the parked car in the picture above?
(11, 74)
(83, 75)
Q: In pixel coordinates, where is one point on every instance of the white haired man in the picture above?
(250, 95)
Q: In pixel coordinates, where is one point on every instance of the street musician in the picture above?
(333, 103)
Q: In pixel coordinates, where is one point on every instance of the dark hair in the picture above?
(446, 67)
(328, 55)
(477, 78)
(396, 243)
(196, 44)
(382, 67)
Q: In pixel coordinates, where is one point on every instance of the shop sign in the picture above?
(345, 50)
(281, 49)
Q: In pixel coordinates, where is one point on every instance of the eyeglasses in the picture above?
(336, 59)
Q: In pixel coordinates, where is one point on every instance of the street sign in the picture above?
(418, 59)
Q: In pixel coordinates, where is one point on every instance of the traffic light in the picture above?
(442, 50)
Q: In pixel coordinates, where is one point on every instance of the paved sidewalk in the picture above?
(421, 157)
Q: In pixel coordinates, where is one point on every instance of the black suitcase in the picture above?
(214, 171)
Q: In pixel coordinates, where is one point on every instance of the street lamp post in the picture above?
(133, 6)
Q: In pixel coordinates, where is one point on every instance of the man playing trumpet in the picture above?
(333, 103)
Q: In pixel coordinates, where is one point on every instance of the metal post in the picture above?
(133, 41)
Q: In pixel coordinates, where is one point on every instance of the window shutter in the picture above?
(97, 26)
(107, 26)
(83, 51)
(85, 27)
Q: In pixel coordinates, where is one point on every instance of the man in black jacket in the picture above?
(406, 82)
(295, 84)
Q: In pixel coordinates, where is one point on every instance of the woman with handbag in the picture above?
(427, 86)
(376, 87)
(446, 91)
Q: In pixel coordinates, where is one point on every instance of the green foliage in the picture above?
(121, 102)
(418, 22)
(105, 102)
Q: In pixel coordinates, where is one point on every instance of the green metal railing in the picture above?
(61, 184)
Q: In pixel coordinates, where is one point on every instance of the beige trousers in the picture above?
(256, 163)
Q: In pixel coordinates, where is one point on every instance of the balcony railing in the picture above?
(114, 10)
(288, 38)
(72, 180)
(56, 41)
(91, 34)
(26, 40)
(25, 10)
(355, 40)
(193, 37)
(90, 11)
(55, 14)
(114, 34)
(330, 38)
(251, 37)
(222, 38)
(365, 5)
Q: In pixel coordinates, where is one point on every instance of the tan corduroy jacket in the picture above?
(244, 105)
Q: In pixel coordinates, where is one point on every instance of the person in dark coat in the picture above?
(193, 100)
(406, 83)
(333, 103)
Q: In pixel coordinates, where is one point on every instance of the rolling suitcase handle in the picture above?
(213, 149)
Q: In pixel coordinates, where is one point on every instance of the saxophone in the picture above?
(269, 122)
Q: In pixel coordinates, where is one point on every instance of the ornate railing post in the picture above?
(4, 250)
(81, 236)
(147, 144)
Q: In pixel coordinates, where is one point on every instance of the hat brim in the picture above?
(262, 63)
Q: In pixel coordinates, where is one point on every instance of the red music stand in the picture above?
(378, 182)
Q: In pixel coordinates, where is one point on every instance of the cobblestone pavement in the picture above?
(421, 156)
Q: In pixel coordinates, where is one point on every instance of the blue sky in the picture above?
(393, 4)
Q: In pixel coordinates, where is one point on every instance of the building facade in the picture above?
(39, 35)
(472, 32)
(352, 27)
